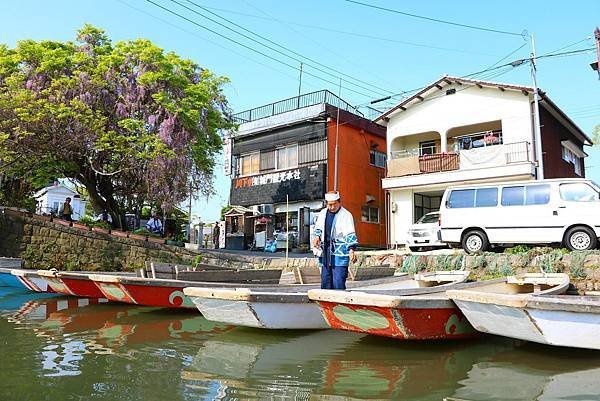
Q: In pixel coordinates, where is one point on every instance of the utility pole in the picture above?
(300, 82)
(337, 131)
(596, 64)
(537, 133)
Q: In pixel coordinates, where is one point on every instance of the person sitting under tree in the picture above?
(154, 225)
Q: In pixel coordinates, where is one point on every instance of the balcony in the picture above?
(293, 103)
(409, 162)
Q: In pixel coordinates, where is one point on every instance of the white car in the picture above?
(425, 233)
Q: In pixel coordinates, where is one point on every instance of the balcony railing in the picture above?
(294, 103)
(408, 162)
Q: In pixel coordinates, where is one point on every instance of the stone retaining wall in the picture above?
(44, 244)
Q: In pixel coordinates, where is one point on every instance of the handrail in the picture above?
(293, 103)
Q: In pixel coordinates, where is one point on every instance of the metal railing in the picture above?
(294, 103)
(438, 162)
(518, 152)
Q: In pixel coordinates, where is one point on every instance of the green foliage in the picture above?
(90, 222)
(197, 260)
(224, 210)
(144, 231)
(132, 123)
(518, 249)
(596, 135)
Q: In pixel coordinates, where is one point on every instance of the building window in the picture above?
(287, 157)
(377, 158)
(370, 214)
(570, 157)
(427, 148)
(478, 140)
(424, 204)
(250, 164)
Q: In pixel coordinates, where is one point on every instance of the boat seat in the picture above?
(162, 270)
(312, 275)
(259, 276)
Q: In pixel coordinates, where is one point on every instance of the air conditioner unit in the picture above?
(266, 208)
(255, 208)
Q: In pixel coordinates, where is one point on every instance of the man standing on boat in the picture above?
(335, 241)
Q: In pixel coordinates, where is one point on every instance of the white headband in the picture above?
(333, 196)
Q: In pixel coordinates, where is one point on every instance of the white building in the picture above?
(460, 131)
(50, 200)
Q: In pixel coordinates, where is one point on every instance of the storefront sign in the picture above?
(305, 183)
(270, 178)
(227, 145)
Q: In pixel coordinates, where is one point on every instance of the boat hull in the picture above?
(264, 315)
(145, 295)
(552, 327)
(30, 280)
(437, 322)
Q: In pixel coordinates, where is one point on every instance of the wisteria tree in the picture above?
(133, 124)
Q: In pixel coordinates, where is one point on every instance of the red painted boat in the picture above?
(76, 284)
(423, 313)
(168, 293)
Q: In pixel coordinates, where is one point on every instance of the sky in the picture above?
(373, 52)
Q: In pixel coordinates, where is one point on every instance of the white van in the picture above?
(556, 211)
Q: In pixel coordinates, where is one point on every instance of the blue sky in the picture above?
(388, 52)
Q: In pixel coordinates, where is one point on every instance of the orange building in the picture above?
(282, 160)
(361, 166)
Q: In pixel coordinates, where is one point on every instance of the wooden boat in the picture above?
(566, 320)
(503, 308)
(81, 285)
(6, 277)
(280, 308)
(420, 311)
(77, 284)
(168, 293)
(31, 280)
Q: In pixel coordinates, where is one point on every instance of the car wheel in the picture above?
(580, 239)
(475, 241)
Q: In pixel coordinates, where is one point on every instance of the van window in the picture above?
(513, 196)
(486, 197)
(578, 192)
(461, 198)
(537, 194)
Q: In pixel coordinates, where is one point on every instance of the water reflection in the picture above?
(68, 348)
(328, 365)
(542, 373)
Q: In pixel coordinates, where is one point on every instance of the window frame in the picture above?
(373, 158)
(369, 210)
(251, 155)
(287, 150)
(428, 145)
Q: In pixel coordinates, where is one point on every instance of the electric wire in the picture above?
(318, 43)
(378, 91)
(251, 48)
(209, 41)
(434, 19)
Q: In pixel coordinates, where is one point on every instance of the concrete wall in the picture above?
(469, 105)
(43, 244)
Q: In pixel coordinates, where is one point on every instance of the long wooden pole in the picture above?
(287, 228)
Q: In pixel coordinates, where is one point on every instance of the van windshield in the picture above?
(429, 218)
(578, 192)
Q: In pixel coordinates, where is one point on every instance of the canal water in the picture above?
(75, 349)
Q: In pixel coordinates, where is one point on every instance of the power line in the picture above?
(278, 45)
(318, 43)
(434, 19)
(207, 40)
(356, 34)
(250, 48)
